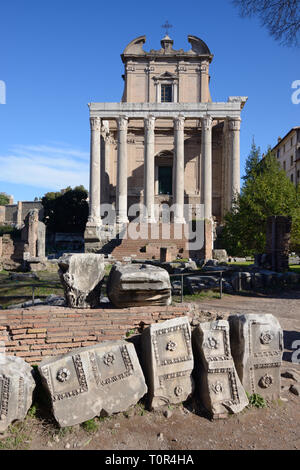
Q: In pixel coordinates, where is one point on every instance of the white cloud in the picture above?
(44, 166)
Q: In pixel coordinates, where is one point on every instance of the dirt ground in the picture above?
(277, 426)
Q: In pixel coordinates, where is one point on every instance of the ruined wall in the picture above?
(49, 331)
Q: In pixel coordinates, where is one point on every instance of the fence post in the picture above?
(181, 288)
(33, 287)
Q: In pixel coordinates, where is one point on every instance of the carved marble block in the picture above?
(81, 276)
(168, 361)
(85, 382)
(257, 345)
(16, 389)
(138, 284)
(218, 384)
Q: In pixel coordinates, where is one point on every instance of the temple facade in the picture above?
(165, 143)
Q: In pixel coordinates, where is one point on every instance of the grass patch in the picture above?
(205, 294)
(238, 264)
(18, 438)
(295, 268)
(12, 292)
(90, 426)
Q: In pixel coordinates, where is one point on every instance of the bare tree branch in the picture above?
(281, 17)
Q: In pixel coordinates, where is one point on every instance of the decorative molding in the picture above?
(234, 124)
(171, 330)
(122, 122)
(4, 397)
(206, 122)
(149, 123)
(95, 123)
(179, 123)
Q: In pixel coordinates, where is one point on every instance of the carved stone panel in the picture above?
(105, 378)
(81, 276)
(218, 385)
(257, 345)
(168, 361)
(16, 389)
(118, 375)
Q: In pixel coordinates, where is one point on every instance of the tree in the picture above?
(66, 210)
(281, 17)
(266, 191)
(4, 199)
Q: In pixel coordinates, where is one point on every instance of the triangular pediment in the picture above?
(166, 76)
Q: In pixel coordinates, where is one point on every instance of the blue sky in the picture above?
(56, 56)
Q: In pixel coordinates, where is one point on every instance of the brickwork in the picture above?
(35, 334)
(156, 237)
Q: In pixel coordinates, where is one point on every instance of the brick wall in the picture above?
(35, 334)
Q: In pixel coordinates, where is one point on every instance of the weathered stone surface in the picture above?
(220, 255)
(295, 389)
(257, 345)
(106, 378)
(168, 361)
(16, 389)
(81, 276)
(138, 284)
(219, 387)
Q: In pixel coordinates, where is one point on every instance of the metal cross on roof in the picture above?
(167, 26)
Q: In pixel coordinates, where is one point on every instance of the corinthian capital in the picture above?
(179, 123)
(122, 122)
(234, 124)
(206, 122)
(95, 123)
(149, 123)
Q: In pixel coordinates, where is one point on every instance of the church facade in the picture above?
(166, 142)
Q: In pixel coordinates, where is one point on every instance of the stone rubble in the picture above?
(138, 284)
(168, 362)
(102, 379)
(16, 389)
(257, 346)
(81, 276)
(219, 387)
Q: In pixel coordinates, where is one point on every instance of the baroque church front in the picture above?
(166, 142)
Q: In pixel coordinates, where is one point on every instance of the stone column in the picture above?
(149, 124)
(234, 125)
(179, 165)
(105, 157)
(95, 167)
(121, 196)
(207, 157)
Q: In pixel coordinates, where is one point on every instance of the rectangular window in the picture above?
(292, 160)
(284, 165)
(292, 178)
(166, 93)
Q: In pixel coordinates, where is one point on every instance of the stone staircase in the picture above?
(154, 236)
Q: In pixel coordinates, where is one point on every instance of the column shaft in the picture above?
(234, 130)
(149, 169)
(179, 169)
(207, 156)
(94, 193)
(121, 196)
